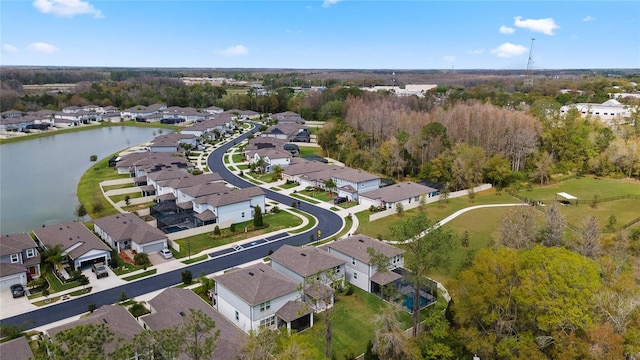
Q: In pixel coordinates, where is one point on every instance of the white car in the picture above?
(166, 253)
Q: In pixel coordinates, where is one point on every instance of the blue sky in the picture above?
(323, 34)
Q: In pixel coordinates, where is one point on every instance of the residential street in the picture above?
(329, 223)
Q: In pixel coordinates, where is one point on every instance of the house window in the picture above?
(237, 315)
(15, 258)
(355, 275)
(265, 306)
(268, 322)
(353, 261)
(31, 253)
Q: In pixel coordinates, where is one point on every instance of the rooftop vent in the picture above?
(181, 313)
(105, 321)
(303, 254)
(251, 274)
(361, 240)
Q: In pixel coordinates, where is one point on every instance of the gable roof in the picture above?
(354, 175)
(16, 349)
(15, 243)
(74, 238)
(356, 246)
(257, 283)
(170, 302)
(230, 197)
(398, 192)
(205, 189)
(129, 226)
(117, 318)
(305, 261)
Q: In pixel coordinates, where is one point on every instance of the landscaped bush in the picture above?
(141, 259)
(187, 277)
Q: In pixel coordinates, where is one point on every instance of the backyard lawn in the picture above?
(309, 150)
(89, 192)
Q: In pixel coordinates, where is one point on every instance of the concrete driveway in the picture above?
(10, 306)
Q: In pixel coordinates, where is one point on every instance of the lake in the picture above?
(39, 177)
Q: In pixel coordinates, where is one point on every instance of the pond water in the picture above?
(39, 177)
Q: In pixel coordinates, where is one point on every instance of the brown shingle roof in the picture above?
(16, 349)
(398, 192)
(15, 243)
(257, 283)
(170, 302)
(356, 246)
(230, 197)
(305, 261)
(293, 310)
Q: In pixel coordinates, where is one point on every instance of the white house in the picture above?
(271, 157)
(76, 241)
(229, 207)
(405, 193)
(19, 260)
(258, 296)
(360, 271)
(204, 188)
(351, 182)
(128, 231)
(317, 272)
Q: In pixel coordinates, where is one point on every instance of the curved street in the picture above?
(329, 223)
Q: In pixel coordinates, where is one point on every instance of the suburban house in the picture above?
(270, 157)
(115, 317)
(259, 296)
(171, 186)
(213, 128)
(81, 245)
(610, 112)
(19, 123)
(360, 271)
(351, 182)
(290, 132)
(229, 207)
(111, 117)
(288, 117)
(172, 142)
(299, 168)
(405, 193)
(16, 349)
(141, 110)
(204, 188)
(317, 271)
(19, 260)
(140, 163)
(128, 231)
(171, 305)
(214, 110)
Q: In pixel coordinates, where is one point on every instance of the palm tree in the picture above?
(50, 258)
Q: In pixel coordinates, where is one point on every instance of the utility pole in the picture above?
(528, 81)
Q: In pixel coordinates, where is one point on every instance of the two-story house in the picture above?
(360, 270)
(19, 260)
(270, 158)
(317, 271)
(231, 206)
(351, 182)
(258, 296)
(128, 231)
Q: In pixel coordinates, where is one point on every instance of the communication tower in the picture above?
(528, 81)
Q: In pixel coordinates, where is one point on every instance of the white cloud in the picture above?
(42, 47)
(588, 18)
(236, 50)
(508, 50)
(67, 8)
(449, 58)
(328, 3)
(545, 26)
(9, 48)
(507, 30)
(476, 52)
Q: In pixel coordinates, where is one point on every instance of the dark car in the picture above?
(339, 200)
(17, 290)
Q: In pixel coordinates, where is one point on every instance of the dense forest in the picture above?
(535, 294)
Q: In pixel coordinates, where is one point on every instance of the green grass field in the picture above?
(309, 150)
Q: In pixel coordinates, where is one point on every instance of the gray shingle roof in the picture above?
(170, 302)
(293, 310)
(16, 349)
(305, 261)
(68, 235)
(398, 192)
(15, 243)
(129, 226)
(230, 197)
(257, 283)
(356, 246)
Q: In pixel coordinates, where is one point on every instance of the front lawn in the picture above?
(320, 195)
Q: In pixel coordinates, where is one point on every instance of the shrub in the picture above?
(187, 277)
(92, 307)
(113, 263)
(137, 310)
(141, 259)
(216, 231)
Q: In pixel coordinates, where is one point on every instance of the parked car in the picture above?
(339, 200)
(17, 290)
(166, 253)
(100, 269)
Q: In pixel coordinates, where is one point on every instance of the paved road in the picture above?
(329, 223)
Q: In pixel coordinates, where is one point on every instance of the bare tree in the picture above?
(588, 243)
(553, 226)
(516, 228)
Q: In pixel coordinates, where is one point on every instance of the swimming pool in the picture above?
(408, 302)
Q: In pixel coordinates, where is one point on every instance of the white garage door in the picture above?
(7, 281)
(151, 248)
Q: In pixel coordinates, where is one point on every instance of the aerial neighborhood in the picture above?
(233, 234)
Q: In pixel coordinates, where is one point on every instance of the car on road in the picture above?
(100, 269)
(17, 290)
(166, 253)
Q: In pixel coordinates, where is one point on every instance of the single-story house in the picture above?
(19, 260)
(299, 168)
(258, 296)
(317, 271)
(171, 305)
(81, 245)
(116, 318)
(360, 271)
(405, 193)
(288, 117)
(128, 231)
(111, 117)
